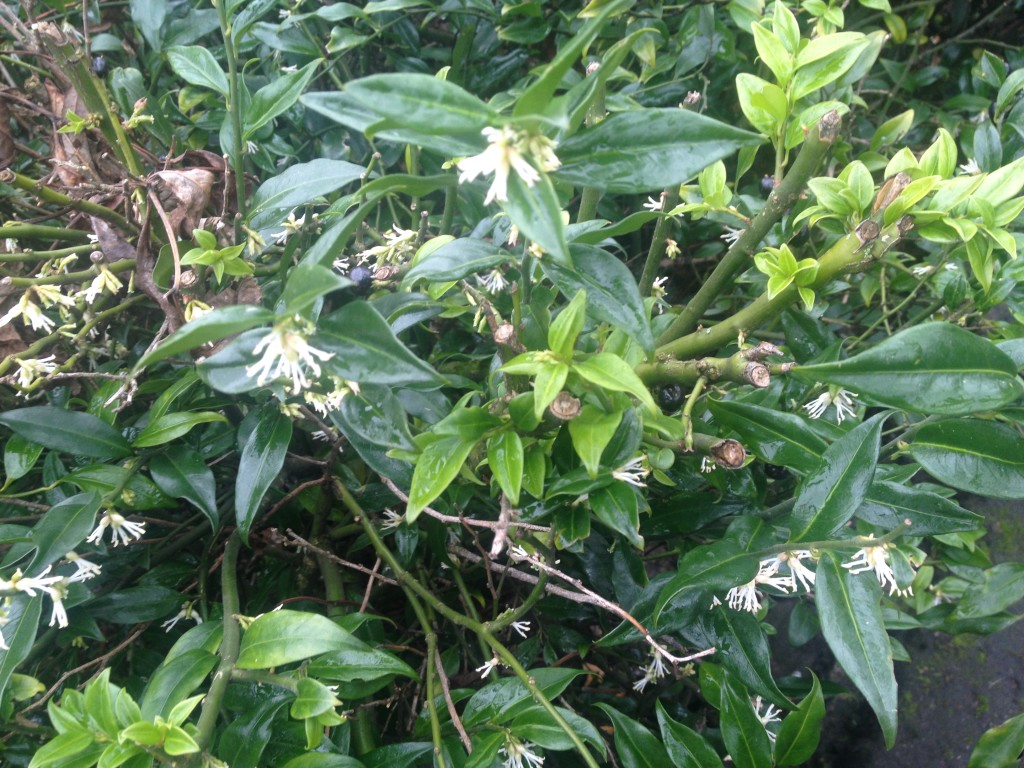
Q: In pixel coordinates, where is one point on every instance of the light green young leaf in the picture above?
(591, 432)
(613, 373)
(196, 65)
(566, 328)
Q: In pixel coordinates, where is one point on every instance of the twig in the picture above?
(374, 575)
(452, 712)
(467, 521)
(372, 572)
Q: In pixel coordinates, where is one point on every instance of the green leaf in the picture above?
(764, 104)
(888, 505)
(591, 432)
(260, 461)
(612, 293)
(546, 385)
(178, 742)
(456, 260)
(537, 212)
(213, 326)
(935, 368)
(1000, 747)
(742, 731)
(63, 527)
(744, 652)
(299, 184)
(282, 637)
(323, 760)
(536, 726)
(20, 455)
(611, 372)
(616, 506)
(705, 570)
(832, 494)
(171, 426)
(801, 730)
(776, 437)
(358, 661)
(365, 350)
(196, 65)
(686, 748)
(22, 616)
(72, 432)
(174, 680)
(825, 59)
(982, 457)
(636, 746)
(181, 473)
(306, 283)
(129, 489)
(852, 624)
(999, 587)
(436, 467)
(276, 97)
(313, 699)
(566, 328)
(505, 458)
(501, 700)
(641, 150)
(773, 53)
(79, 745)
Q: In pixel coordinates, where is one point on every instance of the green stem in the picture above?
(688, 372)
(33, 256)
(233, 107)
(52, 196)
(659, 242)
(229, 645)
(815, 147)
(122, 265)
(17, 231)
(265, 678)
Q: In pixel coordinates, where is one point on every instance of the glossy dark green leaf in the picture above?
(636, 746)
(174, 681)
(591, 431)
(306, 283)
(537, 212)
(181, 473)
(801, 730)
(226, 370)
(776, 437)
(404, 755)
(62, 528)
(69, 431)
(983, 457)
(260, 461)
(376, 415)
(686, 748)
(536, 726)
(20, 455)
(1000, 747)
(134, 605)
(365, 350)
(297, 185)
(705, 570)
(851, 622)
(197, 66)
(999, 588)
(456, 260)
(313, 699)
(171, 426)
(276, 98)
(281, 637)
(744, 735)
(19, 633)
(436, 467)
(889, 505)
(357, 660)
(505, 458)
(935, 368)
(642, 150)
(323, 760)
(134, 491)
(612, 293)
(743, 651)
(213, 326)
(616, 506)
(241, 743)
(501, 700)
(832, 494)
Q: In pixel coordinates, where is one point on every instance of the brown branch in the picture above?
(456, 721)
(298, 540)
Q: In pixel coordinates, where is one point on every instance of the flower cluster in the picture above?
(507, 151)
(877, 559)
(56, 587)
(122, 531)
(31, 313)
(841, 399)
(652, 672)
(747, 597)
(187, 611)
(520, 754)
(286, 354)
(634, 472)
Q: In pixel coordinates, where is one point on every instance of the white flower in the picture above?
(654, 204)
(800, 573)
(502, 155)
(516, 752)
(921, 270)
(643, 682)
(770, 715)
(970, 167)
(392, 519)
(341, 264)
(50, 295)
(707, 464)
(195, 309)
(746, 596)
(85, 569)
(122, 531)
(286, 354)
(30, 314)
(522, 627)
(671, 248)
(187, 612)
(633, 472)
(840, 398)
(518, 552)
(104, 281)
(877, 559)
(30, 370)
(485, 668)
(732, 235)
(292, 226)
(58, 615)
(19, 582)
(493, 281)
